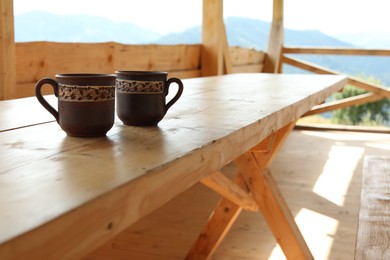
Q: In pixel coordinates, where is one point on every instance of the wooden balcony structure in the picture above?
(23, 64)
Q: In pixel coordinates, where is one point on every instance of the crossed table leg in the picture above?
(253, 189)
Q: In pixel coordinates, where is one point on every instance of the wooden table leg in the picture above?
(253, 167)
(217, 227)
(254, 177)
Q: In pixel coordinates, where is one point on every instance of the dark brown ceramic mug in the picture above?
(140, 96)
(86, 102)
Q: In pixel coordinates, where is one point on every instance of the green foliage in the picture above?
(376, 113)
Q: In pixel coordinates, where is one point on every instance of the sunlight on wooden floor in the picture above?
(322, 229)
(379, 146)
(320, 241)
(338, 172)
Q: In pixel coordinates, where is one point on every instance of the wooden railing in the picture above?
(375, 92)
(35, 60)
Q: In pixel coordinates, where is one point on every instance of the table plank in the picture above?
(16, 113)
(85, 191)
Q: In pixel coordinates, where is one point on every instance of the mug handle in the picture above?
(38, 94)
(178, 94)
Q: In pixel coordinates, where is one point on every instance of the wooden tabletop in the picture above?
(61, 197)
(24, 112)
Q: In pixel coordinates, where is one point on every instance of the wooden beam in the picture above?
(275, 42)
(213, 38)
(343, 103)
(227, 61)
(7, 49)
(336, 51)
(333, 127)
(221, 184)
(376, 89)
(299, 63)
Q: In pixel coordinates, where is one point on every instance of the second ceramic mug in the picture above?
(86, 102)
(140, 96)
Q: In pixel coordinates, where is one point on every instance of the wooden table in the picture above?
(61, 197)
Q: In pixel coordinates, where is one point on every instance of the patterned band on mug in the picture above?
(139, 87)
(85, 93)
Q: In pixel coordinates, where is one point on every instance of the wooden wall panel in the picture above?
(251, 68)
(184, 74)
(157, 57)
(243, 56)
(246, 60)
(45, 59)
(35, 60)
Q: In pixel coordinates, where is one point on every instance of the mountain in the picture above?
(251, 33)
(373, 40)
(244, 32)
(42, 26)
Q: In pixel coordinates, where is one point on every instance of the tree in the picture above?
(376, 113)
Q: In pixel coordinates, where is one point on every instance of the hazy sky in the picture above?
(329, 16)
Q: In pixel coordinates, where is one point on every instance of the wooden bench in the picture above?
(373, 238)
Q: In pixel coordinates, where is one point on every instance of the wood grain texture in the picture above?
(88, 190)
(374, 217)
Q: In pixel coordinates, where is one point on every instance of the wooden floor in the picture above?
(318, 173)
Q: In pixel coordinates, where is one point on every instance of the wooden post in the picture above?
(275, 42)
(7, 50)
(214, 40)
